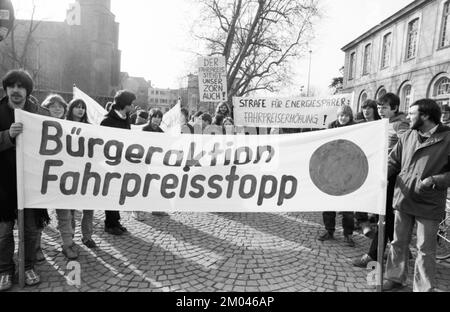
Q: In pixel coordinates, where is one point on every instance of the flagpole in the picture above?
(20, 206)
(380, 253)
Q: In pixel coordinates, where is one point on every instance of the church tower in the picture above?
(96, 40)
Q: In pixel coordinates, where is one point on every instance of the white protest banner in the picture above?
(70, 165)
(212, 79)
(95, 111)
(289, 112)
(171, 120)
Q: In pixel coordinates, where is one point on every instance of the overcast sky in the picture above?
(156, 44)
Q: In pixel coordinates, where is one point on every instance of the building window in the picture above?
(406, 96)
(445, 32)
(413, 30)
(442, 87)
(441, 91)
(362, 98)
(367, 55)
(386, 52)
(381, 92)
(351, 73)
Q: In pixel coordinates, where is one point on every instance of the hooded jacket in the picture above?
(115, 121)
(398, 125)
(413, 162)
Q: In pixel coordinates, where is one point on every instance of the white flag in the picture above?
(73, 16)
(95, 111)
(171, 120)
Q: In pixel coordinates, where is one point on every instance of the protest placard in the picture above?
(212, 79)
(296, 112)
(69, 165)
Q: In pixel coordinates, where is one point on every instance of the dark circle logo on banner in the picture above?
(339, 167)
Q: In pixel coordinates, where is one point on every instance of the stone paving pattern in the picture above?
(212, 252)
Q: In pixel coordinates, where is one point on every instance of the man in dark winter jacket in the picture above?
(421, 159)
(118, 117)
(18, 85)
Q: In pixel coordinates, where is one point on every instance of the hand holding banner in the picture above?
(69, 165)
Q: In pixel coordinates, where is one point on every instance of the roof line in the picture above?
(386, 22)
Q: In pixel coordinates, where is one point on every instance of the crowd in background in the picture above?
(19, 86)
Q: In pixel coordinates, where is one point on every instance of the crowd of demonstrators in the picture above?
(416, 194)
(344, 118)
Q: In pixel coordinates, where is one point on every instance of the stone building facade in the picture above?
(60, 55)
(407, 54)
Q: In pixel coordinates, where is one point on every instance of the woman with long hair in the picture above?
(369, 111)
(223, 109)
(78, 112)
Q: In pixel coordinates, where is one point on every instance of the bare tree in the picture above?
(17, 54)
(337, 83)
(258, 39)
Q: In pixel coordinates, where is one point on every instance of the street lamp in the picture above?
(309, 72)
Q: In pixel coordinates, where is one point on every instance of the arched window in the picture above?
(441, 90)
(381, 92)
(362, 97)
(406, 96)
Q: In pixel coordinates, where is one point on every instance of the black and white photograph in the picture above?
(224, 152)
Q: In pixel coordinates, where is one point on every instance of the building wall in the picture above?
(421, 72)
(163, 99)
(139, 86)
(60, 55)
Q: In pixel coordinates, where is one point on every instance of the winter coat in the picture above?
(336, 124)
(114, 121)
(413, 162)
(152, 128)
(8, 187)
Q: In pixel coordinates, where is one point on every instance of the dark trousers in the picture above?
(112, 219)
(31, 231)
(362, 217)
(348, 223)
(389, 221)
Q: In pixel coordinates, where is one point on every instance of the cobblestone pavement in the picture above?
(215, 252)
